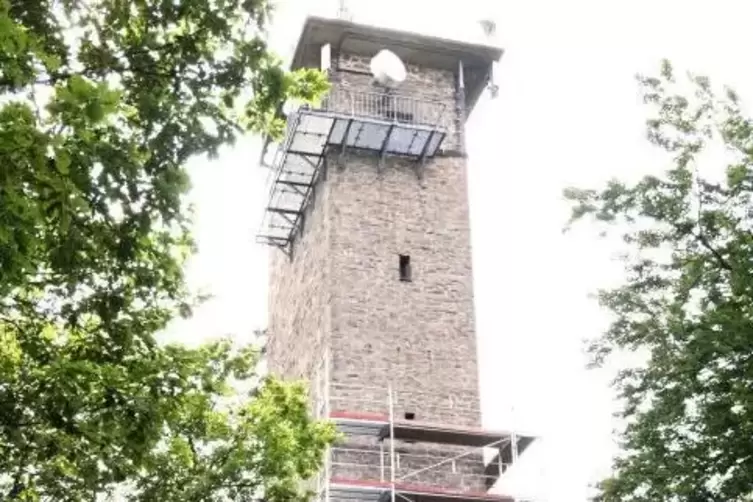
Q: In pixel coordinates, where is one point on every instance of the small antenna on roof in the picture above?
(489, 27)
(343, 12)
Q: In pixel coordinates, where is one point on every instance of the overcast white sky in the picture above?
(567, 114)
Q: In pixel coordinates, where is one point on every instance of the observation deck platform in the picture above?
(383, 124)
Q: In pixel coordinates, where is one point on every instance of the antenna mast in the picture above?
(343, 12)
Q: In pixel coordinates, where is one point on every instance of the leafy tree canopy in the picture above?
(687, 302)
(102, 103)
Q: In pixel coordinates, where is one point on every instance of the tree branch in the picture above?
(717, 255)
(700, 236)
(18, 486)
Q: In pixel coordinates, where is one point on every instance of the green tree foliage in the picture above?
(686, 307)
(102, 102)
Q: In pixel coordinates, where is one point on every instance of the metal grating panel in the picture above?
(368, 136)
(401, 139)
(314, 123)
(434, 144)
(308, 143)
(358, 426)
(338, 131)
(358, 493)
(417, 144)
(297, 168)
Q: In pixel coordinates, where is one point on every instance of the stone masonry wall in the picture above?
(299, 297)
(417, 335)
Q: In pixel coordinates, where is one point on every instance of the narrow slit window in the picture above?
(405, 270)
(409, 415)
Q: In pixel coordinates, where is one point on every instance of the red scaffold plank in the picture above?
(353, 415)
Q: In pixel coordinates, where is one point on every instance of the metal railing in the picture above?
(453, 473)
(376, 463)
(386, 107)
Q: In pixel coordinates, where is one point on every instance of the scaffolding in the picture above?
(384, 457)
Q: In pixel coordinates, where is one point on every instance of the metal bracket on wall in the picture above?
(422, 159)
(420, 169)
(383, 148)
(344, 147)
(302, 220)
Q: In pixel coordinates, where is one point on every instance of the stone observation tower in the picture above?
(371, 295)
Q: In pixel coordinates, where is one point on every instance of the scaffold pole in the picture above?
(392, 440)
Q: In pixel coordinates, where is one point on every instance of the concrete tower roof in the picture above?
(413, 48)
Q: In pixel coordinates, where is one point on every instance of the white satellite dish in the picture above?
(388, 69)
